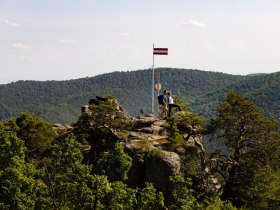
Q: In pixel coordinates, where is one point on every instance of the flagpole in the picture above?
(156, 51)
(153, 82)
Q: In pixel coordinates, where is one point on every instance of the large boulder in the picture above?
(154, 165)
(160, 167)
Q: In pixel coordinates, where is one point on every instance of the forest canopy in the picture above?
(60, 101)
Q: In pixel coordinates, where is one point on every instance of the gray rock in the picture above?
(160, 168)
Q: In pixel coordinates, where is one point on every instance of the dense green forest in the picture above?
(263, 89)
(90, 165)
(60, 101)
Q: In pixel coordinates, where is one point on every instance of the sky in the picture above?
(70, 39)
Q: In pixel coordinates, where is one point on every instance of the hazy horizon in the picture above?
(128, 71)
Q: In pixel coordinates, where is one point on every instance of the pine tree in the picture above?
(242, 126)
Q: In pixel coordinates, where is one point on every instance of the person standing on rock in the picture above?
(171, 104)
(163, 101)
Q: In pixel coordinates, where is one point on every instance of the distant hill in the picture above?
(60, 101)
(255, 74)
(262, 89)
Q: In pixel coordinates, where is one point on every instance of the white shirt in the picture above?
(170, 100)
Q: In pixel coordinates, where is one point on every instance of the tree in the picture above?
(259, 186)
(37, 134)
(182, 127)
(16, 176)
(108, 114)
(184, 132)
(115, 164)
(98, 127)
(242, 126)
(120, 197)
(261, 189)
(67, 183)
(180, 194)
(149, 198)
(215, 203)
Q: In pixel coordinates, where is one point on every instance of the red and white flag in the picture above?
(160, 51)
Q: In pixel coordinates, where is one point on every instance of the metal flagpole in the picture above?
(156, 51)
(153, 82)
(158, 87)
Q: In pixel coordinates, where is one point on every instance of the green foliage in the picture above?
(147, 148)
(179, 101)
(66, 182)
(16, 176)
(259, 188)
(183, 130)
(60, 101)
(176, 139)
(149, 198)
(108, 114)
(241, 124)
(99, 127)
(264, 191)
(180, 194)
(215, 203)
(120, 197)
(188, 118)
(182, 197)
(248, 134)
(261, 89)
(182, 126)
(191, 166)
(11, 146)
(59, 180)
(37, 134)
(115, 164)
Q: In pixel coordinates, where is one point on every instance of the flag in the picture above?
(160, 51)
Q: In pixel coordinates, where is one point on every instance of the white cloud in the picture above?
(69, 41)
(194, 23)
(11, 24)
(21, 46)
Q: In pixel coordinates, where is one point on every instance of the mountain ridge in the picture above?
(58, 101)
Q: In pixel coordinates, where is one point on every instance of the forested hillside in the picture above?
(60, 101)
(262, 89)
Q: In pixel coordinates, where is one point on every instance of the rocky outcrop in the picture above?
(151, 163)
(144, 139)
(62, 129)
(160, 168)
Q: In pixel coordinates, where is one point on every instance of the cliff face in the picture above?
(145, 140)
